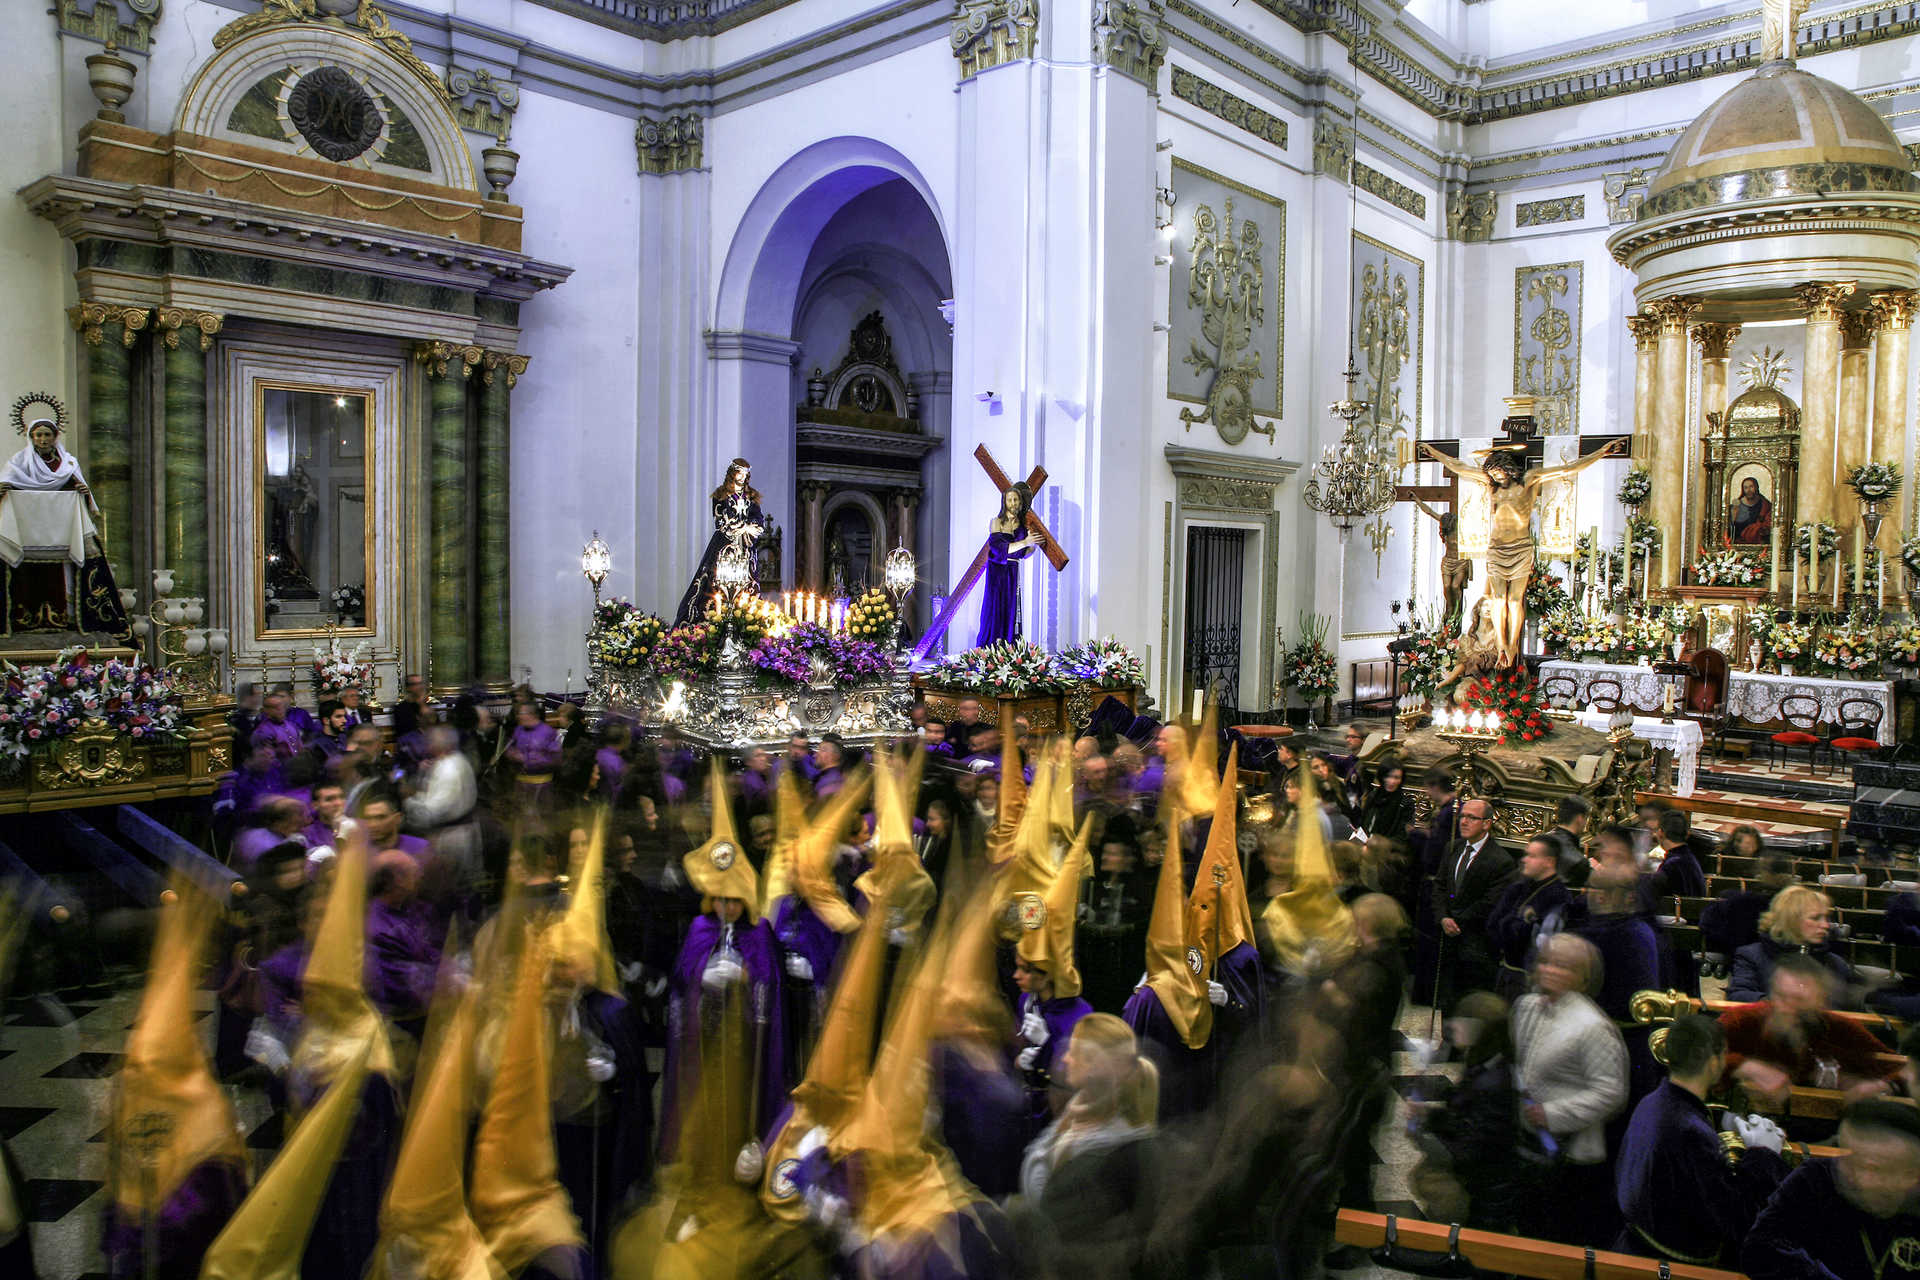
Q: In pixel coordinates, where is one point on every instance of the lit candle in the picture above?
(1880, 585)
(1773, 585)
(1199, 696)
(1859, 559)
(1836, 577)
(1646, 575)
(1796, 581)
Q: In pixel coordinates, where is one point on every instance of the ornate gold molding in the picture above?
(1540, 213)
(437, 357)
(1332, 146)
(1129, 38)
(368, 18)
(1714, 339)
(102, 22)
(671, 143)
(91, 319)
(1857, 329)
(1672, 314)
(1240, 113)
(482, 103)
(1470, 214)
(94, 755)
(1645, 330)
(1821, 300)
(1398, 194)
(1892, 308)
(171, 320)
(990, 33)
(1624, 194)
(514, 364)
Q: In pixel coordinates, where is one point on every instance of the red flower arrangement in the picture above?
(1514, 699)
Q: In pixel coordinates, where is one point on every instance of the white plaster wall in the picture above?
(36, 343)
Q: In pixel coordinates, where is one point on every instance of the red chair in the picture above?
(1706, 695)
(1802, 716)
(1859, 731)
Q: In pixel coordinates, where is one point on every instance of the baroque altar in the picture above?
(1752, 696)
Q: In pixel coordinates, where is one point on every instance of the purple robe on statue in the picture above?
(1000, 609)
(760, 957)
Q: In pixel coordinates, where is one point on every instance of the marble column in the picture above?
(450, 560)
(1646, 345)
(110, 333)
(1856, 393)
(1667, 438)
(187, 336)
(492, 535)
(1819, 399)
(813, 519)
(1715, 341)
(1893, 331)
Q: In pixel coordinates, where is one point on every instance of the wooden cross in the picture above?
(1049, 547)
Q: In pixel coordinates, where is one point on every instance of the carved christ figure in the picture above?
(1456, 570)
(1510, 545)
(1779, 23)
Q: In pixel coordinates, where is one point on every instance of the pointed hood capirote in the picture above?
(1046, 943)
(813, 853)
(425, 1229)
(1177, 969)
(165, 1090)
(1012, 806)
(1200, 779)
(267, 1235)
(580, 935)
(896, 873)
(1218, 915)
(1310, 929)
(333, 991)
(789, 820)
(720, 867)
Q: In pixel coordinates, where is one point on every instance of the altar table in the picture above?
(1679, 737)
(44, 524)
(1753, 696)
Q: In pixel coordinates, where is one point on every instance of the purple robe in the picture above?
(760, 956)
(243, 791)
(250, 844)
(303, 722)
(1061, 1017)
(983, 1120)
(189, 1219)
(1000, 609)
(1246, 1008)
(613, 770)
(1186, 1075)
(403, 959)
(283, 736)
(539, 748)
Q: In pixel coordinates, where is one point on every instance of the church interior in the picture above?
(959, 638)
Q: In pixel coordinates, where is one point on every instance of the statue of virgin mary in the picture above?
(45, 594)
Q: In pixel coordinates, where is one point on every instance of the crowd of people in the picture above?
(539, 1000)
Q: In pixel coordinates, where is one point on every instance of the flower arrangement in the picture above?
(1642, 535)
(1642, 636)
(872, 617)
(1870, 571)
(1636, 489)
(40, 704)
(1815, 533)
(686, 653)
(1431, 657)
(350, 604)
(334, 672)
(1598, 637)
(1514, 699)
(1787, 644)
(750, 618)
(1106, 664)
(1309, 667)
(1910, 557)
(1845, 649)
(858, 661)
(1583, 549)
(1727, 568)
(1545, 591)
(1012, 668)
(1875, 481)
(626, 635)
(1903, 645)
(1558, 628)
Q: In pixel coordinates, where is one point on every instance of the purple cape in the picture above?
(1000, 608)
(760, 956)
(1186, 1075)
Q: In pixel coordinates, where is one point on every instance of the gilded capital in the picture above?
(171, 320)
(1128, 37)
(670, 143)
(1470, 214)
(1821, 300)
(1645, 329)
(510, 363)
(1673, 313)
(92, 318)
(1714, 339)
(1856, 329)
(988, 33)
(1892, 308)
(438, 357)
(1332, 145)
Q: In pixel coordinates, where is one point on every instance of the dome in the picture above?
(1780, 132)
(1762, 411)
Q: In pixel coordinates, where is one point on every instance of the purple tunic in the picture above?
(538, 746)
(613, 770)
(760, 956)
(189, 1220)
(284, 737)
(983, 1118)
(403, 959)
(1000, 610)
(1186, 1075)
(800, 932)
(1061, 1017)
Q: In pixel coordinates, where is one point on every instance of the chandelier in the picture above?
(1354, 479)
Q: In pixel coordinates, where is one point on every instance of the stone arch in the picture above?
(243, 94)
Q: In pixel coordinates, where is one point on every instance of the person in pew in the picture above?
(1848, 1218)
(1797, 923)
(1679, 873)
(1732, 920)
(1793, 1039)
(1570, 818)
(1685, 1197)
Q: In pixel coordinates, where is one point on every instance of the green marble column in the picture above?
(110, 334)
(492, 535)
(448, 368)
(186, 335)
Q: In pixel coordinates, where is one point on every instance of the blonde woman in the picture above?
(1799, 920)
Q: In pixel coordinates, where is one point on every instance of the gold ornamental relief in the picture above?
(94, 755)
(1226, 281)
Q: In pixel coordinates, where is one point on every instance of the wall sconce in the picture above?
(1163, 201)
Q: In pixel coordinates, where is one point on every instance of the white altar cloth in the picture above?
(1680, 737)
(44, 524)
(1751, 695)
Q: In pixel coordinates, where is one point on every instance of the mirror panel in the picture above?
(312, 493)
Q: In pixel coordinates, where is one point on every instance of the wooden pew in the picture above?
(1491, 1251)
(1775, 811)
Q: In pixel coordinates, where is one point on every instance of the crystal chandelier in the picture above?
(1354, 479)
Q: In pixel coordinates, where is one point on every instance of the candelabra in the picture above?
(190, 653)
(1355, 479)
(1474, 732)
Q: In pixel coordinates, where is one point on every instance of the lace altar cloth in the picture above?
(1753, 696)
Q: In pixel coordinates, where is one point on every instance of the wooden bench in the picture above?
(1781, 813)
(1491, 1251)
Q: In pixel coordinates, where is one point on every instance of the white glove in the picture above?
(265, 1048)
(721, 973)
(1758, 1131)
(1028, 1058)
(1033, 1028)
(798, 966)
(630, 971)
(600, 1064)
(899, 938)
(1216, 995)
(656, 987)
(748, 1165)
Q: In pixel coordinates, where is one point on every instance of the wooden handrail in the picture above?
(1491, 1251)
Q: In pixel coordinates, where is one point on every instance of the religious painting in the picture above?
(1227, 305)
(1388, 310)
(1546, 344)
(1750, 460)
(1750, 514)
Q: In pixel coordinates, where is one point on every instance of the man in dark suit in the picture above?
(1465, 887)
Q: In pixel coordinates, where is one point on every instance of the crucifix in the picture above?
(1455, 570)
(1036, 529)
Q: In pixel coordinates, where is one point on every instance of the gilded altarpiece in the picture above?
(1546, 344)
(1227, 321)
(1388, 314)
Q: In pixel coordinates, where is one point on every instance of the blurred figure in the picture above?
(1531, 907)
(1469, 1131)
(1846, 1218)
(1792, 1038)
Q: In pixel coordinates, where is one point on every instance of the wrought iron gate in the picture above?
(1216, 559)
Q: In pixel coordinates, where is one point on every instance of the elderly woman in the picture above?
(1799, 920)
(1573, 1078)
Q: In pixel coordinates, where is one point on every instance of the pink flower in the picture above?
(33, 733)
